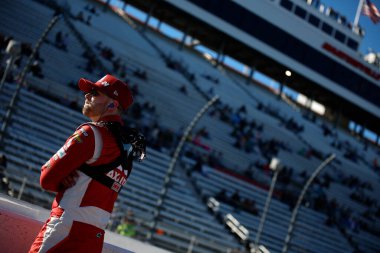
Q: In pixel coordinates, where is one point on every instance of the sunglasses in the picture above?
(93, 93)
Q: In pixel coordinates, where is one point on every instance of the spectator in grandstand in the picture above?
(293, 126)
(332, 209)
(127, 226)
(236, 199)
(3, 44)
(59, 39)
(289, 197)
(136, 111)
(88, 172)
(375, 164)
(64, 41)
(135, 90)
(123, 70)
(326, 180)
(92, 9)
(36, 69)
(222, 195)
(286, 175)
(88, 20)
(4, 41)
(26, 50)
(80, 16)
(211, 92)
(203, 133)
(250, 206)
(210, 78)
(3, 161)
(197, 140)
(11, 77)
(326, 130)
(90, 61)
(198, 165)
(99, 45)
(183, 89)
(140, 73)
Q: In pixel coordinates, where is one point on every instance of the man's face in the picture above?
(95, 104)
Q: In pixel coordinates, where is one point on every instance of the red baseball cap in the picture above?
(112, 87)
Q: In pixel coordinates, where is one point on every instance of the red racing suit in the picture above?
(80, 214)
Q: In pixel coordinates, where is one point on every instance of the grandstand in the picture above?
(229, 149)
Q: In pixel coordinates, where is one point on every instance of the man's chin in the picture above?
(86, 111)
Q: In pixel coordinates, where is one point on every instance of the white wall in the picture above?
(21, 221)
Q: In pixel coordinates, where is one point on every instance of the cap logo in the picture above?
(116, 93)
(101, 79)
(105, 84)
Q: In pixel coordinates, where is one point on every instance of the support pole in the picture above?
(158, 27)
(299, 201)
(21, 191)
(281, 90)
(183, 41)
(362, 130)
(174, 159)
(106, 5)
(191, 244)
(14, 50)
(220, 56)
(251, 72)
(146, 23)
(338, 115)
(266, 207)
(357, 15)
(7, 68)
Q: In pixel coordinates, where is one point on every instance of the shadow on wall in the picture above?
(17, 232)
(21, 222)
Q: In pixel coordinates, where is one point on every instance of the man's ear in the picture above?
(113, 104)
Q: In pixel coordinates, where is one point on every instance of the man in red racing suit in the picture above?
(83, 204)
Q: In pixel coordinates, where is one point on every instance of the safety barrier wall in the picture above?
(21, 221)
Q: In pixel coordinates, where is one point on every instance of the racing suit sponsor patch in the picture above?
(116, 186)
(61, 152)
(48, 164)
(119, 179)
(77, 138)
(84, 132)
(117, 176)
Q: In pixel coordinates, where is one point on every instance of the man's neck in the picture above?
(106, 117)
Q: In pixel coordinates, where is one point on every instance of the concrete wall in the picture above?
(20, 222)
